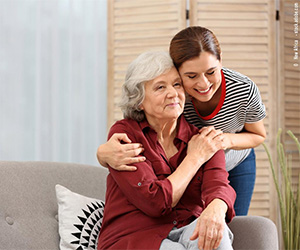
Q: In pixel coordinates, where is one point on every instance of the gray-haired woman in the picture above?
(179, 197)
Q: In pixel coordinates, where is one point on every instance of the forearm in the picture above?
(182, 176)
(243, 140)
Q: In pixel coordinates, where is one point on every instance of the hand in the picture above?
(210, 225)
(205, 144)
(221, 140)
(117, 155)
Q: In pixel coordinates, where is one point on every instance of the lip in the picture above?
(173, 104)
(204, 92)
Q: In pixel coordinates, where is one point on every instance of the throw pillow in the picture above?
(79, 219)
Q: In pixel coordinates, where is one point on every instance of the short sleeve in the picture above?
(256, 110)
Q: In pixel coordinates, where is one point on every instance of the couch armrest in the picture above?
(254, 232)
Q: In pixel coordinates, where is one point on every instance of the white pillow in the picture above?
(80, 219)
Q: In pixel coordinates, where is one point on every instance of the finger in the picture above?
(132, 160)
(206, 130)
(208, 239)
(121, 137)
(126, 168)
(214, 239)
(201, 237)
(132, 151)
(218, 240)
(219, 235)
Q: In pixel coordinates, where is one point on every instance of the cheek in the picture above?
(187, 83)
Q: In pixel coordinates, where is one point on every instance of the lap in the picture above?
(179, 239)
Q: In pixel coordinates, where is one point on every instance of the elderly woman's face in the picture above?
(164, 97)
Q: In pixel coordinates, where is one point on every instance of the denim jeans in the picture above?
(242, 179)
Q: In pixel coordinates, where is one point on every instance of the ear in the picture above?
(141, 107)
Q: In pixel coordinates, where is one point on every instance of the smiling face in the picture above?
(164, 97)
(201, 76)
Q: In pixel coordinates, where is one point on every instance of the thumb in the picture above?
(194, 235)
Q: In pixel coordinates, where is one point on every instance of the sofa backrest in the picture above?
(28, 206)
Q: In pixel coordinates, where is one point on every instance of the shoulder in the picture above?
(238, 82)
(237, 77)
(127, 126)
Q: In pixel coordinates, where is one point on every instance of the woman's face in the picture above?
(201, 76)
(164, 97)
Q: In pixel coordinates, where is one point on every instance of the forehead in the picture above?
(168, 76)
(203, 63)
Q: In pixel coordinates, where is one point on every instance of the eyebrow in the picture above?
(187, 73)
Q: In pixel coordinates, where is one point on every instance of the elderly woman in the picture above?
(173, 196)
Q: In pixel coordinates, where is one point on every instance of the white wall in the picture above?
(52, 79)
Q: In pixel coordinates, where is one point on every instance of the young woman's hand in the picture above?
(118, 152)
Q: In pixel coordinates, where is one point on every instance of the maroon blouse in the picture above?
(138, 212)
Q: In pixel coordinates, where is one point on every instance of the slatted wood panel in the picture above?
(290, 80)
(245, 30)
(135, 26)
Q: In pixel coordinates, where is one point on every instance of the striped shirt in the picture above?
(240, 103)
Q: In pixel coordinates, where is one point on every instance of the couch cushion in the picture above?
(28, 207)
(79, 219)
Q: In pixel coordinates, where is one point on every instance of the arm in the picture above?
(219, 197)
(118, 155)
(253, 135)
(143, 188)
(201, 148)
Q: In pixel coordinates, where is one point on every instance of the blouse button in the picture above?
(139, 184)
(174, 222)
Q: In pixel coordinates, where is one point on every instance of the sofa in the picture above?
(33, 210)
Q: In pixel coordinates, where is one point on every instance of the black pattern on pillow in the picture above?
(88, 226)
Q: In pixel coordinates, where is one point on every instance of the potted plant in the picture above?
(289, 197)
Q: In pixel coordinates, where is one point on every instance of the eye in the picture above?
(210, 73)
(192, 77)
(178, 84)
(159, 87)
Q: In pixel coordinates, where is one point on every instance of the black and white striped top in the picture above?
(240, 103)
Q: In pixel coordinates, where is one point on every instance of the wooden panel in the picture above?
(245, 30)
(290, 81)
(135, 26)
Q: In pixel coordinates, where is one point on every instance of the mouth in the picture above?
(173, 104)
(205, 91)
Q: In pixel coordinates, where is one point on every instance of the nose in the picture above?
(172, 92)
(203, 82)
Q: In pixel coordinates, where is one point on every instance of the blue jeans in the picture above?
(242, 179)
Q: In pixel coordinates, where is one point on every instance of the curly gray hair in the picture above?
(144, 68)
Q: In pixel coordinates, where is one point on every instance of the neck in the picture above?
(165, 130)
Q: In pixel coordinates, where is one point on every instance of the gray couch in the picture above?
(28, 213)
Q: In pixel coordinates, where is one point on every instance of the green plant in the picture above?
(289, 199)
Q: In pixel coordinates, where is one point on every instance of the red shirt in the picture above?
(138, 212)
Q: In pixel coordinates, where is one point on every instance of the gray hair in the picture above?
(144, 68)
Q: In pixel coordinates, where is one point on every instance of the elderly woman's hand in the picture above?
(210, 225)
(205, 144)
(118, 151)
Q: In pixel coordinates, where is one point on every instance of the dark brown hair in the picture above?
(190, 42)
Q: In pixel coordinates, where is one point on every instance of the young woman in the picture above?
(216, 97)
